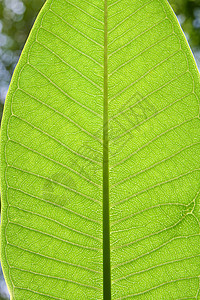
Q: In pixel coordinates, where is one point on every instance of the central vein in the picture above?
(106, 217)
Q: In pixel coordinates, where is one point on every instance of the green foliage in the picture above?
(17, 16)
(100, 156)
(16, 20)
(189, 11)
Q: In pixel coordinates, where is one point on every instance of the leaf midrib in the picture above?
(106, 220)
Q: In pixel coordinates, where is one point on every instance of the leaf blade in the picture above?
(55, 155)
(154, 212)
(48, 207)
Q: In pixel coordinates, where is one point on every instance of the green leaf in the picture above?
(100, 156)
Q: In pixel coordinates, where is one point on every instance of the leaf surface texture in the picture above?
(100, 138)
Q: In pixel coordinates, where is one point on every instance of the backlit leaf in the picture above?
(100, 156)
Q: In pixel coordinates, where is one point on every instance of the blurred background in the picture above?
(16, 20)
